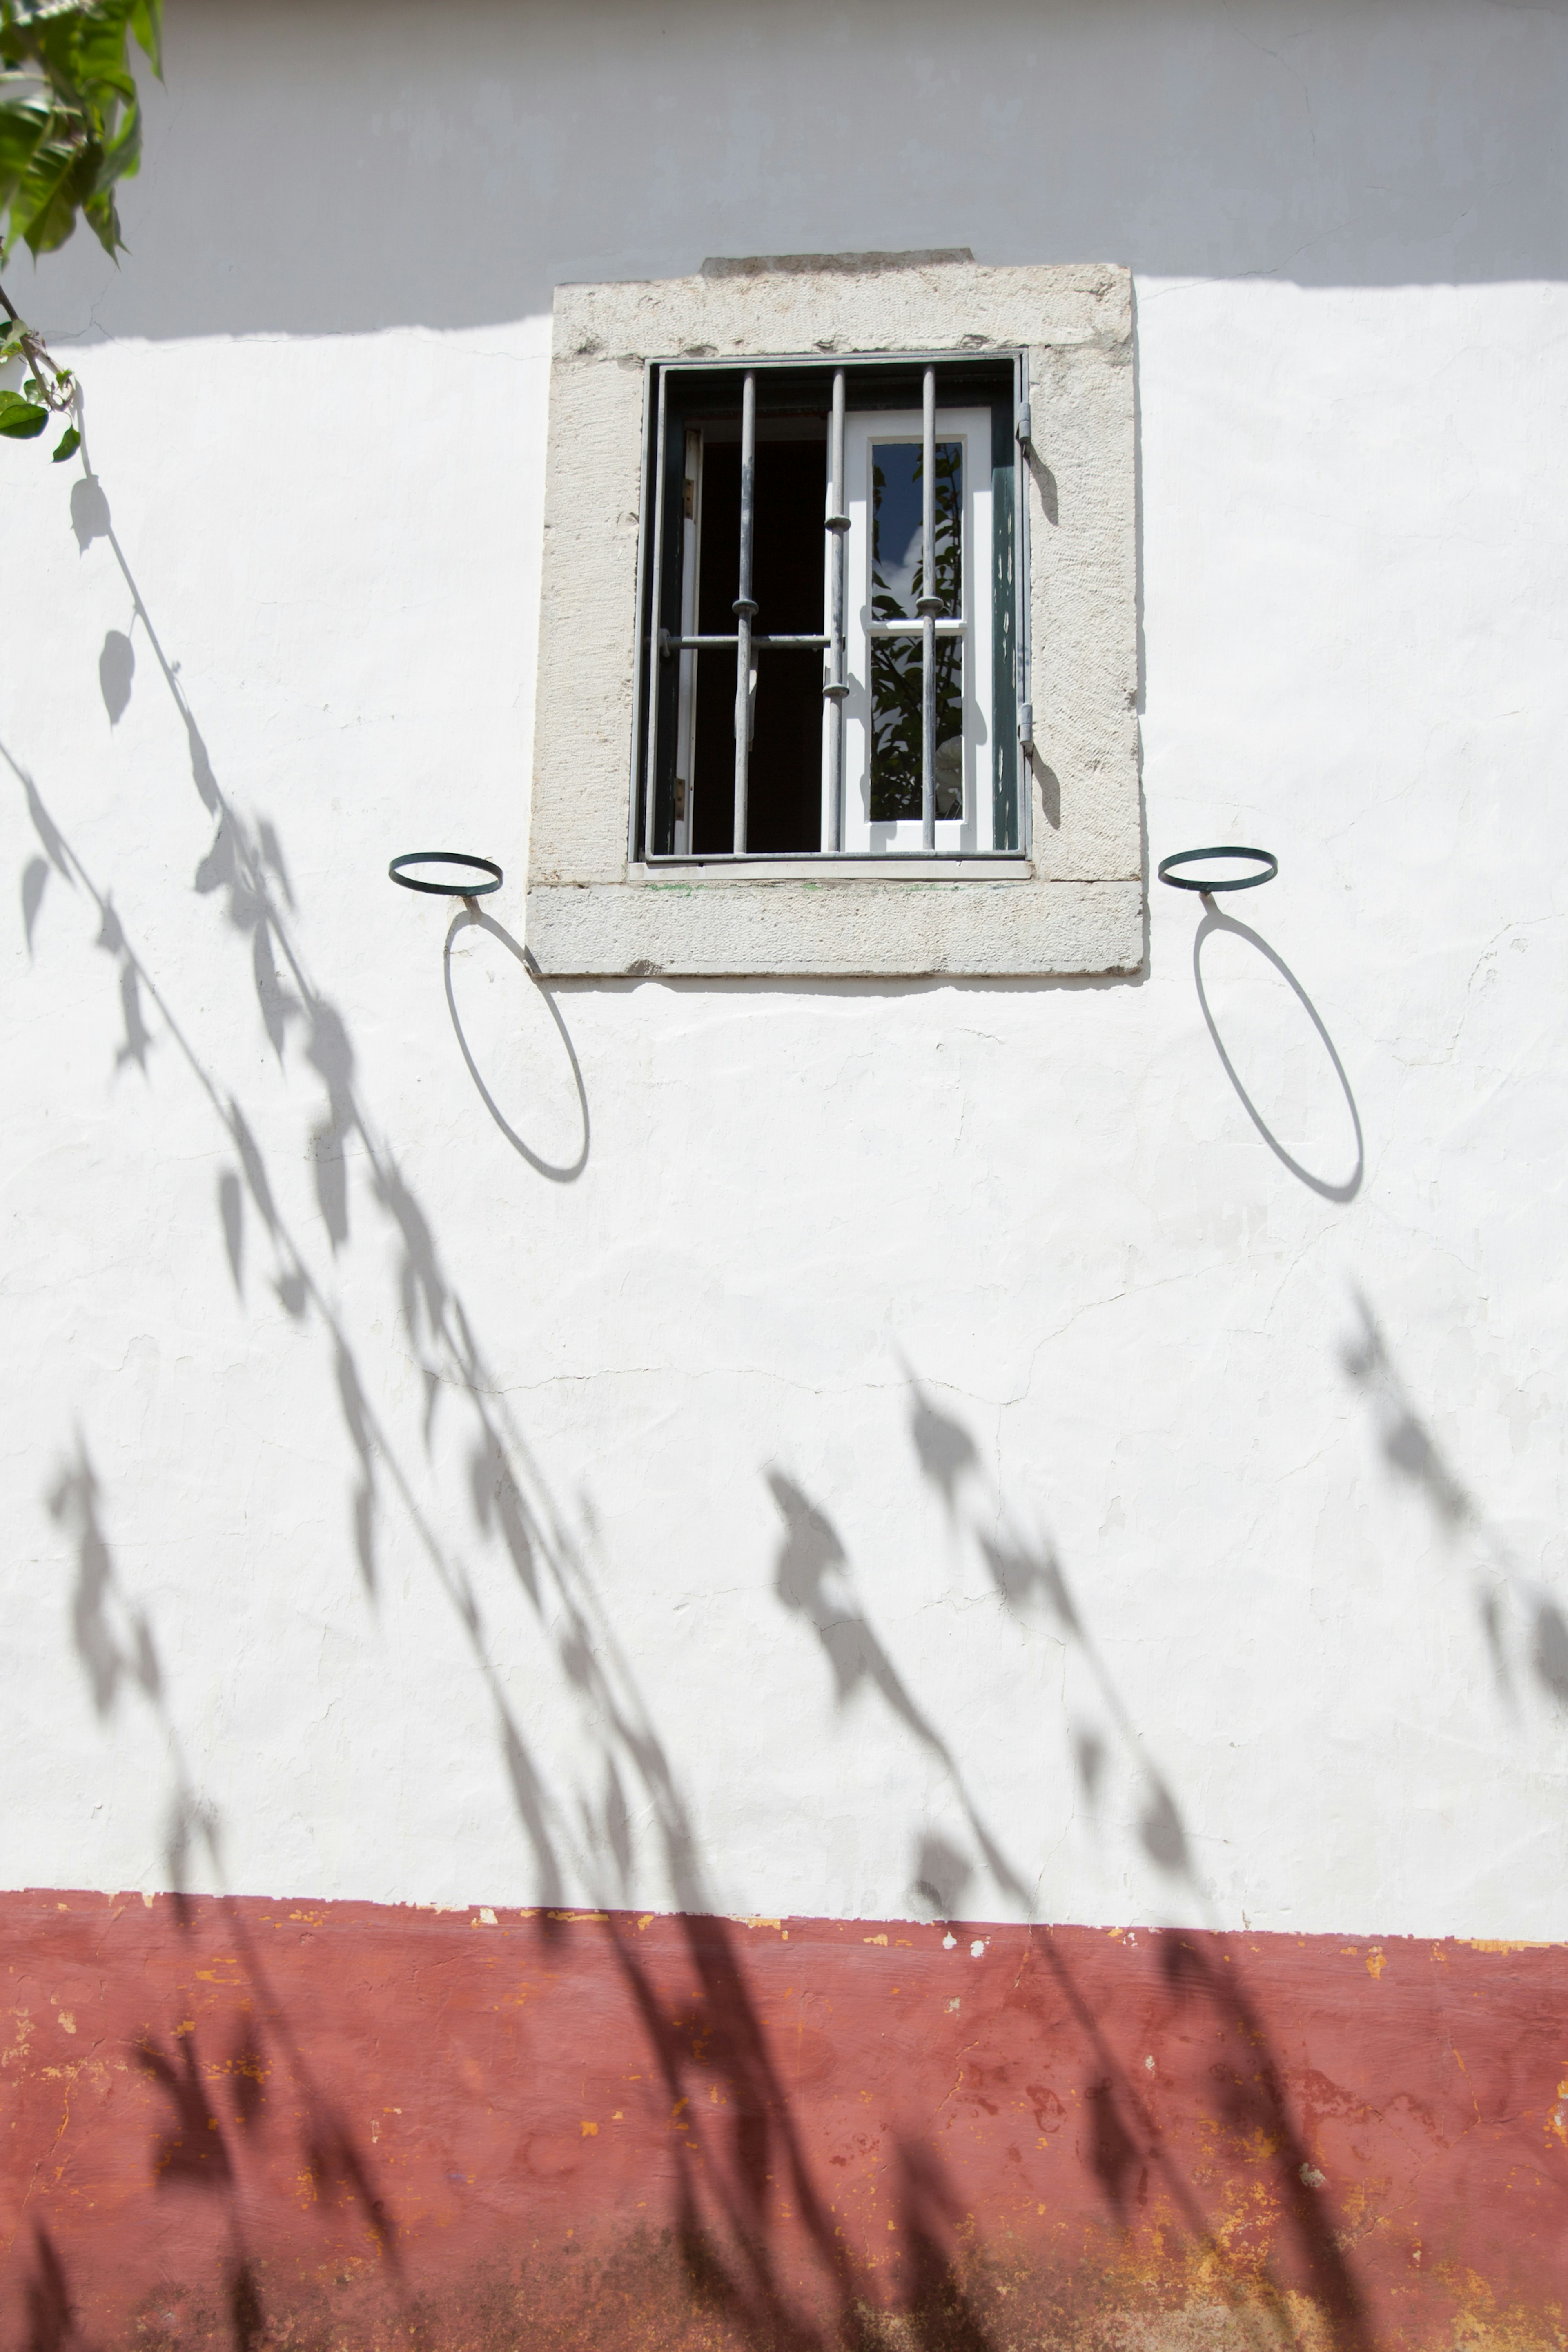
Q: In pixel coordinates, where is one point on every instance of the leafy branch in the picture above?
(70, 130)
(47, 388)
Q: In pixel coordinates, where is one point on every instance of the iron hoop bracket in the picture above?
(1266, 858)
(399, 871)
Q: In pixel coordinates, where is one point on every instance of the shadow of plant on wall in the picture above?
(729, 2261)
(1501, 1586)
(581, 1835)
(811, 1579)
(1150, 2194)
(766, 2285)
(201, 2144)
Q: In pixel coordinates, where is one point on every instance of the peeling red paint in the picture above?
(241, 2121)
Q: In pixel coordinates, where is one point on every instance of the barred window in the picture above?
(833, 656)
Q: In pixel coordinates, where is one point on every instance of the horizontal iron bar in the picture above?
(669, 645)
(911, 628)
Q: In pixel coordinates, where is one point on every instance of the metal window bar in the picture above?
(654, 679)
(669, 645)
(928, 604)
(834, 686)
(1023, 433)
(745, 607)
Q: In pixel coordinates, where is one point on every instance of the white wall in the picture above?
(933, 1420)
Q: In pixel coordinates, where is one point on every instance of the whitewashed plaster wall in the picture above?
(894, 1434)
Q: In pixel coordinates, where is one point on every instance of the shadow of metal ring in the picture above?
(470, 918)
(1214, 921)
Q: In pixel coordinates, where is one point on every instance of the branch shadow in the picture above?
(812, 1577)
(51, 2315)
(1214, 921)
(1413, 1453)
(729, 2174)
(197, 2147)
(942, 2299)
(509, 1500)
(578, 1827)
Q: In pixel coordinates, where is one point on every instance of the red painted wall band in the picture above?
(252, 2122)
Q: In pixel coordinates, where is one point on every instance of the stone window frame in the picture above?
(1074, 903)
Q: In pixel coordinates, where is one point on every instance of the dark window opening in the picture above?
(785, 786)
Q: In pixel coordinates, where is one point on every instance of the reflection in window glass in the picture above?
(897, 492)
(896, 728)
(898, 485)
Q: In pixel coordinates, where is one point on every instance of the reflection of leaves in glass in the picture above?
(896, 729)
(897, 680)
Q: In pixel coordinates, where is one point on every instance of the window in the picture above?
(936, 765)
(803, 692)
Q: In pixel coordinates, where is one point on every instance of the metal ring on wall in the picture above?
(1265, 857)
(446, 857)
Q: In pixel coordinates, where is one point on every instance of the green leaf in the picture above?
(101, 217)
(70, 125)
(70, 443)
(147, 24)
(58, 182)
(25, 121)
(21, 420)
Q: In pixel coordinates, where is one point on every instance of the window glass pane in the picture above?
(897, 492)
(896, 728)
(898, 489)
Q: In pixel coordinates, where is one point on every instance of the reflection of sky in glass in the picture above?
(897, 485)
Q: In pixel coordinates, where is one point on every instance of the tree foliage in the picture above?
(70, 125)
(70, 130)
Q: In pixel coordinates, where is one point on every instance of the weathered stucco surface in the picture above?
(584, 915)
(1019, 1451)
(332, 2123)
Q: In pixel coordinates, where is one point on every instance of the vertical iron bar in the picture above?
(928, 604)
(656, 631)
(745, 607)
(1024, 432)
(837, 553)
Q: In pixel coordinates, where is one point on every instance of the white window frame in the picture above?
(864, 431)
